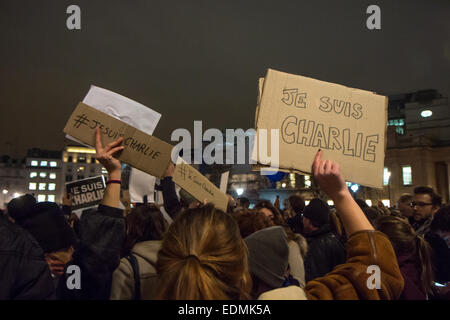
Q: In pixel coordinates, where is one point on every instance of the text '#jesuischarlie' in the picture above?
(114, 134)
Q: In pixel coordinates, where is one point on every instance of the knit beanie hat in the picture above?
(318, 212)
(21, 207)
(268, 255)
(49, 227)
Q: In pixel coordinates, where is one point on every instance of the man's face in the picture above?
(405, 209)
(423, 208)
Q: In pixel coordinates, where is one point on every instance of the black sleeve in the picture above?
(67, 210)
(24, 272)
(102, 234)
(171, 203)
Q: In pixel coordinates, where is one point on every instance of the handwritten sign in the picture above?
(188, 178)
(142, 151)
(348, 124)
(86, 193)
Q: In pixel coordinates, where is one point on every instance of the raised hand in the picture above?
(106, 155)
(328, 175)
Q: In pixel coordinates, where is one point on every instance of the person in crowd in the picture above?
(46, 223)
(242, 203)
(425, 203)
(372, 214)
(136, 276)
(199, 260)
(325, 251)
(404, 206)
(231, 205)
(24, 271)
(269, 264)
(267, 208)
(276, 204)
(413, 256)
(296, 205)
(439, 239)
(172, 204)
(102, 234)
(203, 257)
(251, 222)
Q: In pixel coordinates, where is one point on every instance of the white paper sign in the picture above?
(141, 184)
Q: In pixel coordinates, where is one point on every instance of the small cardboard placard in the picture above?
(348, 124)
(188, 178)
(142, 151)
(86, 193)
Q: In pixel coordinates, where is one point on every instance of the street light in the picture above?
(5, 191)
(239, 191)
(16, 195)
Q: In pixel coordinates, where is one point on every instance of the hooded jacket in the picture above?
(122, 288)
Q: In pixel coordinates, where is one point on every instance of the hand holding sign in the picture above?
(105, 155)
(328, 175)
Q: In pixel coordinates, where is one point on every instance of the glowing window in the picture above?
(34, 163)
(51, 186)
(42, 186)
(51, 197)
(41, 197)
(32, 186)
(53, 163)
(33, 174)
(407, 175)
(52, 176)
(43, 174)
(43, 163)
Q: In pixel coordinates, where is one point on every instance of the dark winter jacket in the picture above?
(102, 234)
(325, 252)
(24, 273)
(171, 203)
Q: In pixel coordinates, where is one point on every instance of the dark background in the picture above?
(200, 60)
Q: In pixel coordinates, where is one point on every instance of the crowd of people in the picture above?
(303, 252)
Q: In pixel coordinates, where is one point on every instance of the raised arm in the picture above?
(106, 157)
(328, 175)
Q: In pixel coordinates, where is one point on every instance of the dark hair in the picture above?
(406, 242)
(406, 198)
(361, 203)
(252, 221)
(144, 223)
(441, 219)
(245, 203)
(436, 199)
(277, 217)
(371, 214)
(297, 203)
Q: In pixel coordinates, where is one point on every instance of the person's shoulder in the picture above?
(285, 293)
(14, 238)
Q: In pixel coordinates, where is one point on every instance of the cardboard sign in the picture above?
(188, 178)
(86, 193)
(142, 151)
(348, 124)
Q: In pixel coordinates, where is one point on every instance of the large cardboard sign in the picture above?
(348, 124)
(188, 178)
(142, 151)
(86, 193)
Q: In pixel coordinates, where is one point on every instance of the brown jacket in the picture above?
(348, 281)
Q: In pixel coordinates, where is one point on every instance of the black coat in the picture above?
(102, 235)
(325, 252)
(24, 273)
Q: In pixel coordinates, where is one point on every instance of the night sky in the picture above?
(200, 60)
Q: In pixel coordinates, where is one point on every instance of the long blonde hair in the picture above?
(203, 257)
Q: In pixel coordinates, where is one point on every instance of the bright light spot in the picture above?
(239, 191)
(354, 187)
(330, 202)
(16, 195)
(283, 185)
(41, 198)
(5, 191)
(369, 202)
(426, 113)
(306, 202)
(386, 202)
